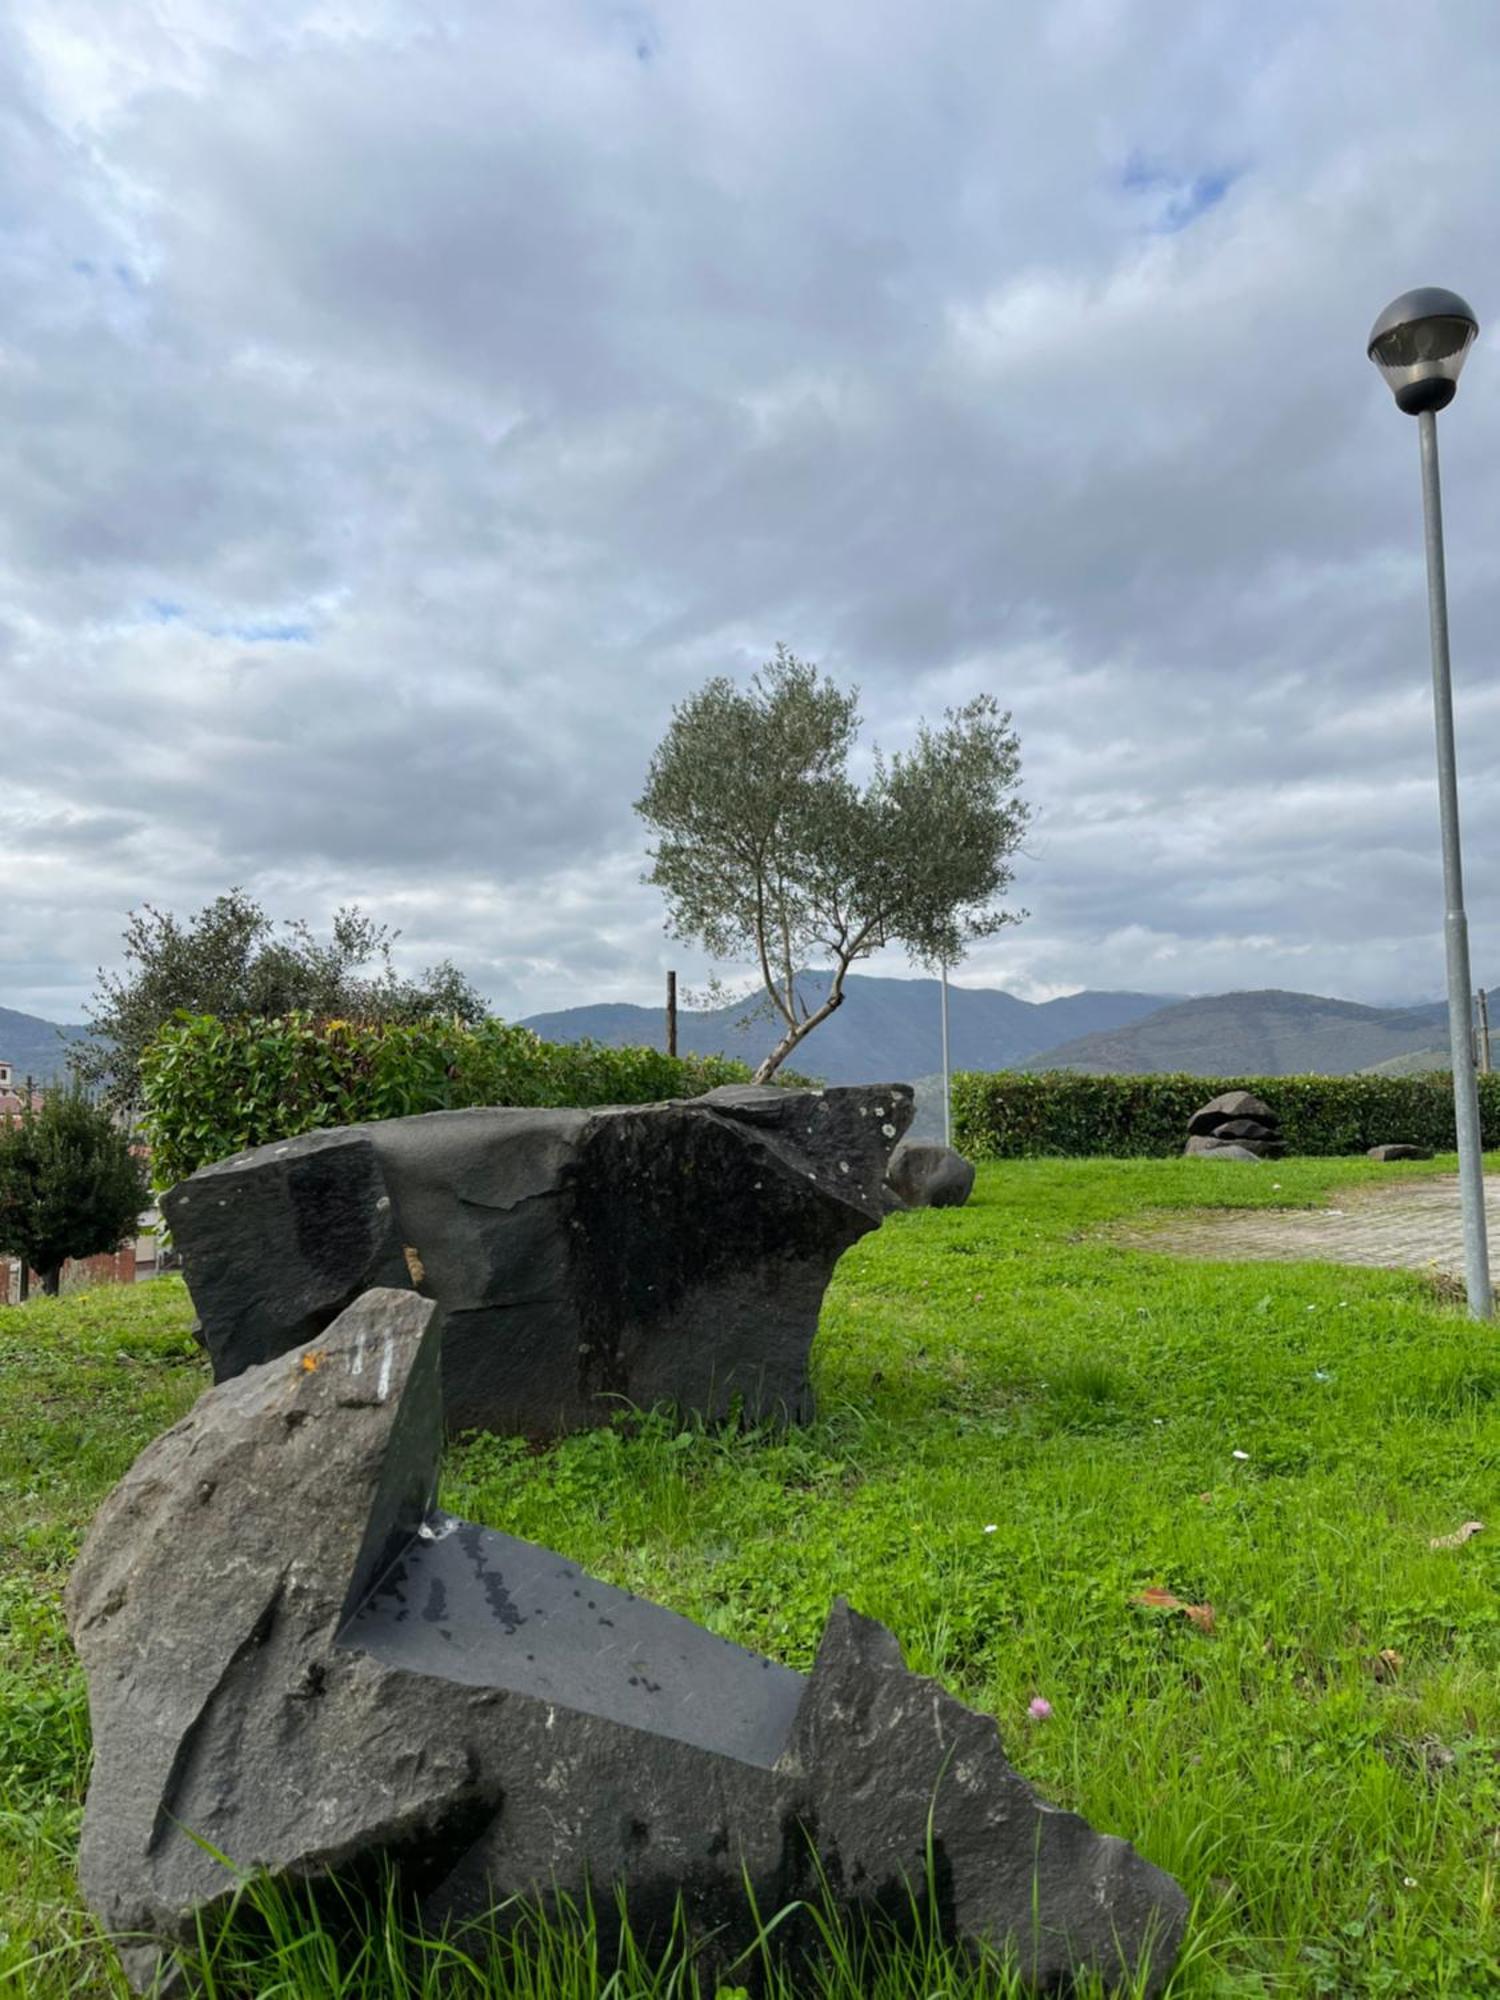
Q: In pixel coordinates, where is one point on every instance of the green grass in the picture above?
(1024, 1425)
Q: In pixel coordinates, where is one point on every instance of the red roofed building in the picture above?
(13, 1095)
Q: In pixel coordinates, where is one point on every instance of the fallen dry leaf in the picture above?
(414, 1265)
(1201, 1615)
(1387, 1664)
(1459, 1536)
(310, 1363)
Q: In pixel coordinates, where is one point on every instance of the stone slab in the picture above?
(295, 1662)
(582, 1261)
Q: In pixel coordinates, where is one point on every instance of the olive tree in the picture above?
(768, 851)
(70, 1184)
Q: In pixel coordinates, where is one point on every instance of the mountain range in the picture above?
(34, 1047)
(888, 1030)
(1268, 1033)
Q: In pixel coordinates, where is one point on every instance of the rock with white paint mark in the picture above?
(296, 1663)
(582, 1260)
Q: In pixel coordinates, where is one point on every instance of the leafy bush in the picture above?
(1010, 1114)
(213, 1087)
(70, 1184)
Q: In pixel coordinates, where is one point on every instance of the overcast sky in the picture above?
(405, 402)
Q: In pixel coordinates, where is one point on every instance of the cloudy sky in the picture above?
(405, 402)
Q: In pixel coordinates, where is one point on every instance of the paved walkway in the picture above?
(1413, 1226)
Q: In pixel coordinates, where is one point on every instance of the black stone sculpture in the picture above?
(295, 1663)
(1235, 1126)
(925, 1174)
(665, 1253)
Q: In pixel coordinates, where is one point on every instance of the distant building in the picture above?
(13, 1094)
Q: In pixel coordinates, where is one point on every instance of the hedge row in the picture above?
(212, 1087)
(1009, 1115)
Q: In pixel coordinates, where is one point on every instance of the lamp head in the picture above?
(1419, 344)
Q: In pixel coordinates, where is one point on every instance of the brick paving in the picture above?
(1413, 1226)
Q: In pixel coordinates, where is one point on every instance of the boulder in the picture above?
(1235, 1120)
(297, 1663)
(1233, 1104)
(1400, 1152)
(1246, 1128)
(925, 1175)
(1213, 1149)
(581, 1260)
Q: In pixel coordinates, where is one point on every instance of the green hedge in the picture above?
(1010, 1114)
(212, 1087)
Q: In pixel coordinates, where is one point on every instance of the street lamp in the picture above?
(1419, 344)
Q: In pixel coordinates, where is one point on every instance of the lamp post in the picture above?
(1419, 344)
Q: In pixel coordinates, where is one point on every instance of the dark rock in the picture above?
(667, 1253)
(1238, 1104)
(294, 1662)
(1400, 1153)
(1246, 1128)
(1203, 1124)
(930, 1176)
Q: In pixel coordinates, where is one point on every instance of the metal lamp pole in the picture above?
(1419, 344)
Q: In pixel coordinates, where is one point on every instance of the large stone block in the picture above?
(296, 1663)
(581, 1260)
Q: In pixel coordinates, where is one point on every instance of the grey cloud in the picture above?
(537, 379)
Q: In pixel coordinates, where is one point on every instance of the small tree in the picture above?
(767, 850)
(229, 961)
(70, 1186)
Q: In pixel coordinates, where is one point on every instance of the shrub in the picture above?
(212, 1087)
(70, 1184)
(1010, 1114)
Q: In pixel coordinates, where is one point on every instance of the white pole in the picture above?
(947, 1088)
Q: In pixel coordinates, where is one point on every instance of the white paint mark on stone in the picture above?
(385, 1369)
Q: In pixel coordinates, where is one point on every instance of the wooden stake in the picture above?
(671, 1013)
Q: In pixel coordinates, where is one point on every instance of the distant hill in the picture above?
(1253, 1034)
(34, 1047)
(1422, 1062)
(887, 1031)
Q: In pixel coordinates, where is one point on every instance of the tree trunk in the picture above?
(51, 1281)
(798, 1032)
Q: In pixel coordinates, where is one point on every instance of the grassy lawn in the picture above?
(1024, 1427)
